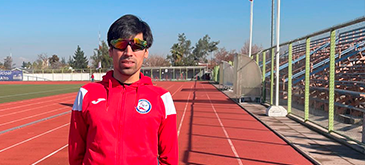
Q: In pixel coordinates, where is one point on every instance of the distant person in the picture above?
(124, 119)
(92, 77)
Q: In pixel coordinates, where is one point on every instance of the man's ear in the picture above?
(146, 53)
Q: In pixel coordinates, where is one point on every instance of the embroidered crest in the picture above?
(143, 106)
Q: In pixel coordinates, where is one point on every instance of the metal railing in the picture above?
(326, 84)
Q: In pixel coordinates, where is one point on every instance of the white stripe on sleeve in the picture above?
(169, 104)
(79, 98)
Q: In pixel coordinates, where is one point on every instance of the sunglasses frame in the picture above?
(136, 44)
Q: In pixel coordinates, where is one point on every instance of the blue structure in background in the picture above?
(8, 75)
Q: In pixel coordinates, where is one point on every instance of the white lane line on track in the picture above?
(48, 105)
(39, 102)
(225, 132)
(1, 124)
(22, 94)
(29, 139)
(177, 90)
(183, 116)
(49, 155)
(169, 87)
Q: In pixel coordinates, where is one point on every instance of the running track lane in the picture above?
(21, 146)
(214, 130)
(49, 137)
(217, 131)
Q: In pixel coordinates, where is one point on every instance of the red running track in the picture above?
(211, 128)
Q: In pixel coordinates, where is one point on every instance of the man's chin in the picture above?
(127, 72)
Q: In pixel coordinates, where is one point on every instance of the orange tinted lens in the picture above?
(121, 44)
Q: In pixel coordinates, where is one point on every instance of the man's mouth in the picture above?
(127, 63)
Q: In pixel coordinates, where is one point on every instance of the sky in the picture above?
(32, 27)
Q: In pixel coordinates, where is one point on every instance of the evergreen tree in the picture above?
(101, 54)
(2, 66)
(70, 61)
(24, 65)
(203, 48)
(63, 61)
(79, 59)
(180, 51)
(8, 62)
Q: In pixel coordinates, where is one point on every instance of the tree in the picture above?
(25, 65)
(254, 48)
(2, 65)
(41, 62)
(8, 62)
(29, 65)
(63, 61)
(101, 54)
(36, 65)
(79, 59)
(70, 61)
(203, 47)
(156, 60)
(54, 61)
(180, 51)
(223, 55)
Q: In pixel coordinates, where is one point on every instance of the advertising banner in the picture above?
(8, 75)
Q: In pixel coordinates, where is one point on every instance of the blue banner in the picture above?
(8, 75)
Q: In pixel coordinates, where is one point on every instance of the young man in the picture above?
(124, 119)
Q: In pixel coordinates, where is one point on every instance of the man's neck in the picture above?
(125, 78)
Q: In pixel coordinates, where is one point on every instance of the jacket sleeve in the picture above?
(78, 131)
(167, 135)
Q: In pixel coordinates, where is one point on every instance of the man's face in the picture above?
(128, 62)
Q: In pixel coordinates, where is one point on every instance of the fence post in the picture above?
(181, 74)
(186, 73)
(257, 58)
(173, 74)
(193, 73)
(290, 74)
(263, 77)
(331, 96)
(160, 72)
(272, 77)
(307, 79)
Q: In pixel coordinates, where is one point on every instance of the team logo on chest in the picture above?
(143, 106)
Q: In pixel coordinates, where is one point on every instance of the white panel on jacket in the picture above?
(79, 98)
(169, 104)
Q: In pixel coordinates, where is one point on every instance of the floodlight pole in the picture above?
(277, 53)
(272, 23)
(251, 18)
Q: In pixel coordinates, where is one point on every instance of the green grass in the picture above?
(17, 92)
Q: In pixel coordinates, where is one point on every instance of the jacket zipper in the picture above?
(121, 124)
(119, 117)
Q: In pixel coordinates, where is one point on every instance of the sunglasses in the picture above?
(136, 44)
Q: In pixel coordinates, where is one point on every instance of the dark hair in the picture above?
(129, 26)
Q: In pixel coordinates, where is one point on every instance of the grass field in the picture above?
(17, 92)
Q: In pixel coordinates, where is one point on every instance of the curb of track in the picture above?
(332, 135)
(34, 122)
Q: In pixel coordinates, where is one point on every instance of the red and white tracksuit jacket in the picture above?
(116, 124)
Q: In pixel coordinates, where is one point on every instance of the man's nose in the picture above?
(128, 51)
